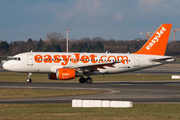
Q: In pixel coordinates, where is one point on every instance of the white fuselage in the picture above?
(48, 62)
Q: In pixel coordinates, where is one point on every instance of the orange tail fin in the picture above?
(156, 45)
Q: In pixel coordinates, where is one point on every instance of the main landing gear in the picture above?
(87, 80)
(29, 78)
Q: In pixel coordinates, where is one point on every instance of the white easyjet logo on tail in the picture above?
(156, 38)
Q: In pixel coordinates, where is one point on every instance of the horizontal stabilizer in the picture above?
(167, 60)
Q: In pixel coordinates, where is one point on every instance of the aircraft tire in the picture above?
(89, 80)
(28, 80)
(82, 80)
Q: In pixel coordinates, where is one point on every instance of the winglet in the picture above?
(156, 45)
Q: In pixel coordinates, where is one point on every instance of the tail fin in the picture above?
(156, 45)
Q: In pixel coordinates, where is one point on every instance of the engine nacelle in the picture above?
(64, 74)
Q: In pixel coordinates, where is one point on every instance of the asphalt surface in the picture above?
(143, 92)
(137, 92)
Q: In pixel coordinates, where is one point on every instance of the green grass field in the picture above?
(35, 93)
(12, 76)
(66, 112)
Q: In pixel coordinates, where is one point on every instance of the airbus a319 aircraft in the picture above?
(66, 66)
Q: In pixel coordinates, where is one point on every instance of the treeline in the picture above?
(84, 45)
(56, 43)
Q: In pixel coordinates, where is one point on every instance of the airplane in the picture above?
(66, 66)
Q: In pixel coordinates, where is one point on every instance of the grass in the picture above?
(177, 60)
(33, 93)
(12, 76)
(63, 111)
(66, 112)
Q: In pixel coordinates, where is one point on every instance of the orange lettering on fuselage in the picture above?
(56, 58)
(48, 59)
(85, 59)
(64, 59)
(93, 59)
(101, 58)
(123, 59)
(111, 57)
(76, 60)
(38, 58)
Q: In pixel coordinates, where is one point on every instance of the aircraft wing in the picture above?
(86, 67)
(110, 64)
(93, 67)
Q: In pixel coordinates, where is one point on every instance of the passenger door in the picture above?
(30, 60)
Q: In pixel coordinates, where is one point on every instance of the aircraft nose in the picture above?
(6, 65)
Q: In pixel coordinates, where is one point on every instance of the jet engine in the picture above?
(64, 74)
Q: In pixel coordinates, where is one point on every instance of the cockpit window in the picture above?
(12, 59)
(16, 58)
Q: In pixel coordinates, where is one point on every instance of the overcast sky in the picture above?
(108, 19)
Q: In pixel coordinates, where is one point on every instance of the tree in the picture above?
(80, 47)
(4, 46)
(54, 36)
(99, 46)
(73, 47)
(53, 48)
(128, 49)
(40, 45)
(135, 46)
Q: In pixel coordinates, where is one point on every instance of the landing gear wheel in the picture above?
(82, 80)
(89, 80)
(28, 80)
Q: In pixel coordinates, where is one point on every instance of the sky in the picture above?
(108, 19)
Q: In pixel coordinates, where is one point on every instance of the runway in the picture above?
(137, 92)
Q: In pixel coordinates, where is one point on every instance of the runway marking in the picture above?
(61, 88)
(123, 84)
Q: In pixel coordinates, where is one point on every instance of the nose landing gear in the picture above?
(28, 80)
